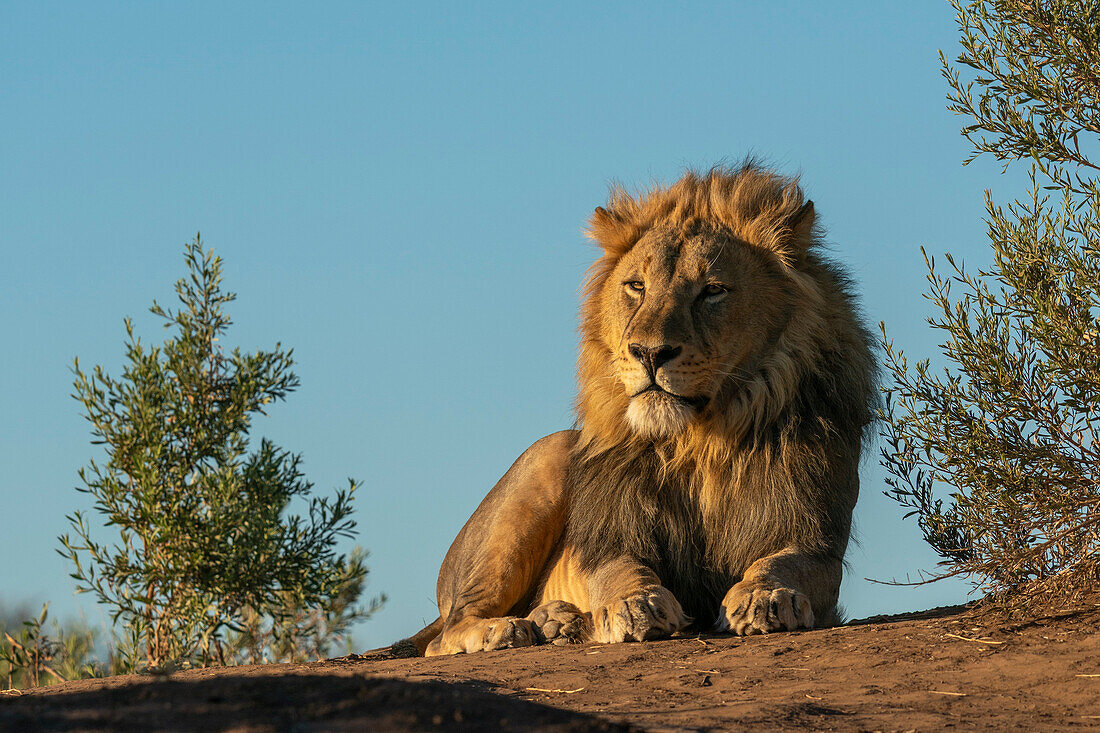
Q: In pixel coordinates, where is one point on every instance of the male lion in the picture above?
(726, 383)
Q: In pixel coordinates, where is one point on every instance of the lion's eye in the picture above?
(714, 291)
(635, 286)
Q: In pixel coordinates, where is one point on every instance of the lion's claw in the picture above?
(755, 609)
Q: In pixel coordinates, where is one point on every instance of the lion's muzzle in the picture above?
(654, 357)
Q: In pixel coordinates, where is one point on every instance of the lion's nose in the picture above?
(653, 357)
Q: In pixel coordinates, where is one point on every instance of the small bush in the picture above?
(997, 456)
(206, 553)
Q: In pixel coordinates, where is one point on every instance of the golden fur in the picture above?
(725, 384)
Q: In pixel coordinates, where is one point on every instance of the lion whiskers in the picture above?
(743, 376)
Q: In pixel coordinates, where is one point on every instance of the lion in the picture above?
(726, 386)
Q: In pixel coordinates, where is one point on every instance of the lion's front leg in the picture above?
(630, 604)
(787, 591)
(490, 572)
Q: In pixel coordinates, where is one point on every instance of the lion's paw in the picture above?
(558, 622)
(504, 633)
(650, 615)
(755, 609)
(484, 635)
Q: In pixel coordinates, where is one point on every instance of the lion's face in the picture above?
(685, 318)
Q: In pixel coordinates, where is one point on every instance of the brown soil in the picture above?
(932, 671)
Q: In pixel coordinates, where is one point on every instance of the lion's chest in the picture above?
(694, 556)
(697, 555)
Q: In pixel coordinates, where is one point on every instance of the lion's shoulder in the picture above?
(552, 452)
(541, 469)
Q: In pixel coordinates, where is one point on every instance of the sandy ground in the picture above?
(924, 672)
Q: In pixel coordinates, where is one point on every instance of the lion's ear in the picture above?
(800, 228)
(603, 222)
(611, 231)
(802, 221)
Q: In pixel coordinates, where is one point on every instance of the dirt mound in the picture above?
(923, 671)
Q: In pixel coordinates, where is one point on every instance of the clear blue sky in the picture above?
(398, 193)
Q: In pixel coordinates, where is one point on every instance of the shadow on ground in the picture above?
(289, 702)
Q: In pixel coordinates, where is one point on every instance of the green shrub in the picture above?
(205, 548)
(997, 455)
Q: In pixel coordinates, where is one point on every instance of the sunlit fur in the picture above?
(771, 460)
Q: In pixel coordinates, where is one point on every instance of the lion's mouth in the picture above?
(697, 403)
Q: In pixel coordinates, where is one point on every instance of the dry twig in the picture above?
(977, 641)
